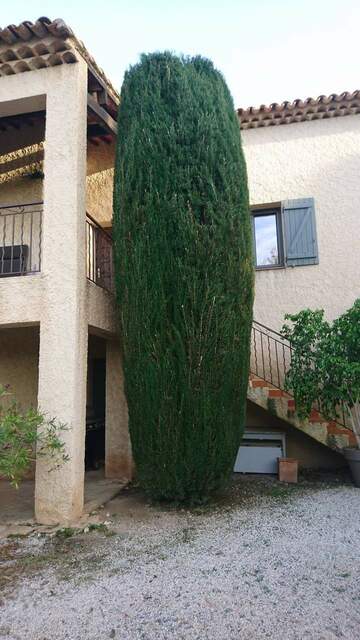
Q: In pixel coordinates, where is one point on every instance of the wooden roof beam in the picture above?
(104, 116)
(106, 99)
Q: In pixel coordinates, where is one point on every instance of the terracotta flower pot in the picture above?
(353, 458)
(288, 469)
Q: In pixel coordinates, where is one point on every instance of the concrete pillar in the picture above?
(59, 494)
(118, 457)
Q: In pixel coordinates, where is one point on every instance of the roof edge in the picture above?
(333, 105)
(26, 32)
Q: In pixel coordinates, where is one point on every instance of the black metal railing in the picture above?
(270, 355)
(99, 255)
(20, 239)
(270, 359)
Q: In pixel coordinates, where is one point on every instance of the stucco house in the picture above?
(59, 343)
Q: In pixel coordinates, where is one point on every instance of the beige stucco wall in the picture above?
(319, 159)
(19, 359)
(21, 190)
(63, 322)
(101, 310)
(99, 196)
(100, 157)
(21, 300)
(63, 326)
(310, 453)
(99, 181)
(118, 453)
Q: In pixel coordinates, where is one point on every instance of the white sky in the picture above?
(268, 50)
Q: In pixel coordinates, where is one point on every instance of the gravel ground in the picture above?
(267, 562)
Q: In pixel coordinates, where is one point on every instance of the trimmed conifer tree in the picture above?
(184, 274)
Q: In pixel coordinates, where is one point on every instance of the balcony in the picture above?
(20, 239)
(20, 245)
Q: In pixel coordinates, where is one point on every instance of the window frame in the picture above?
(265, 210)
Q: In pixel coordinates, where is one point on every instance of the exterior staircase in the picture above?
(270, 359)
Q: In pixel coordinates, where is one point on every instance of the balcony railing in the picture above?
(20, 239)
(99, 261)
(20, 244)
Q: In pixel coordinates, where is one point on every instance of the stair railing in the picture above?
(270, 355)
(270, 360)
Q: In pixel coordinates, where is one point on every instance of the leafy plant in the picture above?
(184, 274)
(325, 363)
(24, 434)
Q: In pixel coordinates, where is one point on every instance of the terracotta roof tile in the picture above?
(44, 43)
(334, 105)
(27, 30)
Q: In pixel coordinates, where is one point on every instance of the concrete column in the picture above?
(118, 456)
(59, 494)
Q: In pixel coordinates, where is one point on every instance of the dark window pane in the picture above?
(266, 242)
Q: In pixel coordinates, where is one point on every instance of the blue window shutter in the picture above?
(300, 232)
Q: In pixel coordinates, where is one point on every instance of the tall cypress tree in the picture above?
(184, 273)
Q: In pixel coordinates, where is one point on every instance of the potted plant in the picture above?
(325, 369)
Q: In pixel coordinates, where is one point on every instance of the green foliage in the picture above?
(184, 274)
(21, 433)
(325, 364)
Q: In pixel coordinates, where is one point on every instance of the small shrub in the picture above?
(22, 433)
(325, 363)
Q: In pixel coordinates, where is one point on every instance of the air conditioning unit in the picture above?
(259, 452)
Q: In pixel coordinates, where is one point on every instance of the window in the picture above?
(267, 236)
(285, 235)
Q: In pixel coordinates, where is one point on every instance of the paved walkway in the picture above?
(17, 505)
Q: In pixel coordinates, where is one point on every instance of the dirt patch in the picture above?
(64, 556)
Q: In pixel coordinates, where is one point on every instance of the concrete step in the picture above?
(282, 405)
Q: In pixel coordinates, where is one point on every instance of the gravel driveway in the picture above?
(269, 561)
